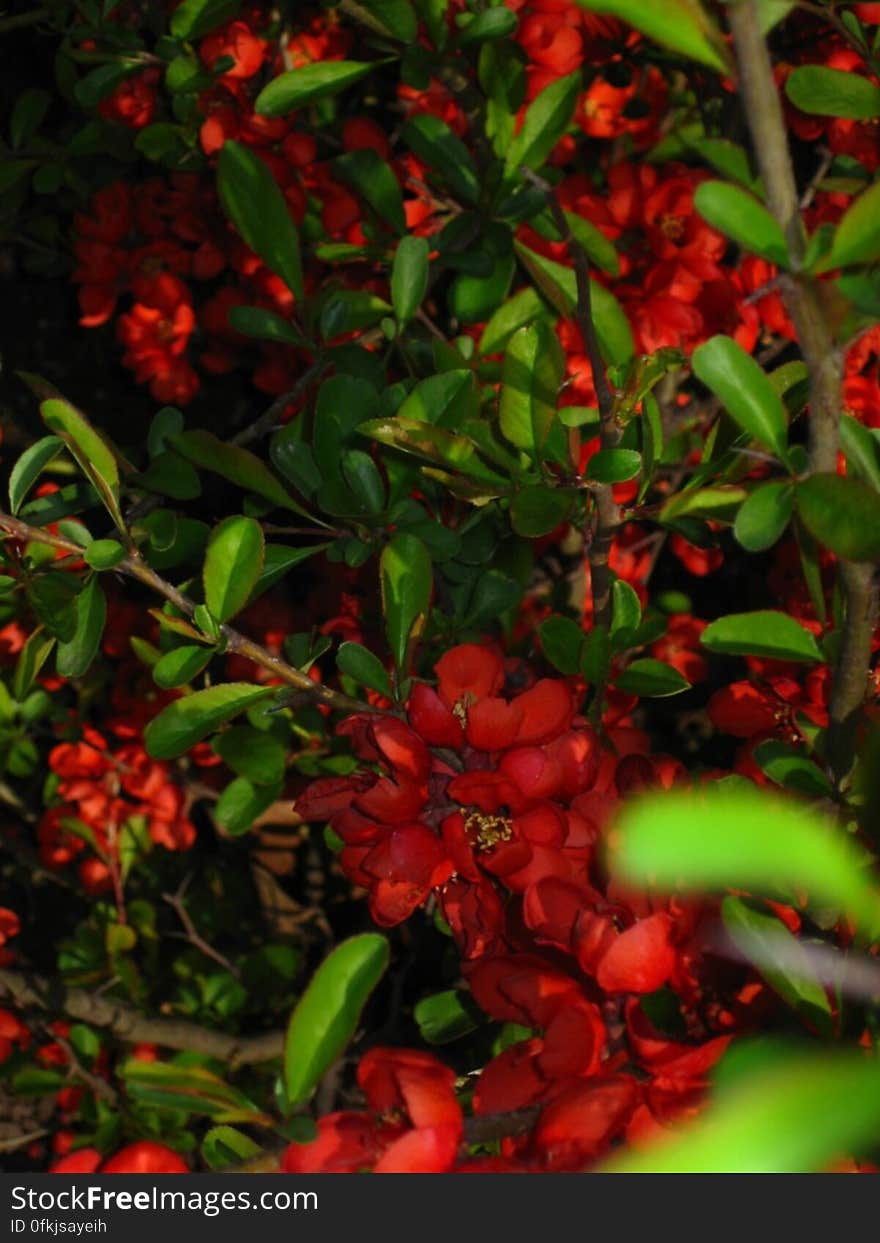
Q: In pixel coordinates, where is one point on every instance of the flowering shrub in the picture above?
(443, 735)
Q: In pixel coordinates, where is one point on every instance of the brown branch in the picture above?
(135, 567)
(131, 1026)
(191, 932)
(824, 360)
(269, 419)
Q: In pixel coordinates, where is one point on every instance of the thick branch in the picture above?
(135, 567)
(823, 358)
(129, 1025)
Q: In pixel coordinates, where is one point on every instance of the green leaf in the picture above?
(599, 250)
(445, 399)
(259, 211)
(772, 12)
(179, 666)
(362, 475)
(444, 1017)
(534, 365)
(794, 1116)
(52, 596)
(558, 285)
(255, 321)
(626, 612)
(406, 581)
(843, 514)
(187, 721)
(561, 642)
(716, 838)
(307, 85)
(857, 237)
(651, 678)
(194, 18)
(767, 633)
(833, 93)
(233, 564)
(494, 23)
(30, 661)
(748, 395)
(252, 753)
(278, 561)
(791, 769)
(764, 515)
(444, 154)
(547, 118)
(28, 114)
(104, 554)
(538, 510)
(224, 1146)
(862, 451)
(169, 475)
(392, 17)
(471, 299)
(613, 465)
(76, 655)
(91, 452)
(409, 277)
(190, 1088)
(681, 25)
(780, 958)
(241, 803)
(366, 668)
(28, 468)
(741, 217)
(373, 179)
(238, 465)
(516, 312)
(327, 1015)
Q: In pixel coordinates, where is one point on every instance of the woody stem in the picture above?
(802, 296)
(135, 567)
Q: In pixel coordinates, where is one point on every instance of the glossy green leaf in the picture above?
(843, 514)
(406, 581)
(862, 451)
(522, 309)
(192, 1089)
(31, 659)
(494, 23)
(169, 475)
(233, 563)
(780, 958)
(409, 277)
(534, 365)
(445, 399)
(194, 18)
(741, 217)
(547, 118)
(52, 596)
(538, 510)
(444, 154)
(28, 467)
(717, 837)
(626, 610)
(444, 1017)
(561, 642)
(327, 1015)
(613, 465)
(181, 665)
(738, 381)
(832, 92)
(857, 237)
(472, 299)
(75, 656)
(95, 458)
(256, 321)
(259, 211)
(773, 635)
(391, 17)
(238, 465)
(791, 769)
(764, 515)
(559, 286)
(651, 678)
(187, 721)
(252, 753)
(794, 1116)
(307, 85)
(681, 25)
(241, 803)
(224, 1147)
(374, 180)
(365, 667)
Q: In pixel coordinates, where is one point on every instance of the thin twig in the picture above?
(135, 567)
(131, 1026)
(192, 934)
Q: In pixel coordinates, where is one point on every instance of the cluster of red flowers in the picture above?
(493, 806)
